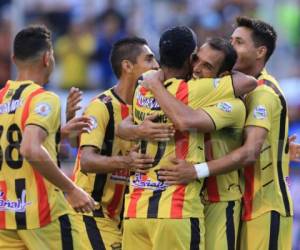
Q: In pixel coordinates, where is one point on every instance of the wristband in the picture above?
(202, 170)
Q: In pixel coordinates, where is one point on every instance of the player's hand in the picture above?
(74, 97)
(180, 172)
(152, 131)
(75, 126)
(294, 149)
(152, 79)
(80, 200)
(136, 161)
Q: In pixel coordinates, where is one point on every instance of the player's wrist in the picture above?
(202, 170)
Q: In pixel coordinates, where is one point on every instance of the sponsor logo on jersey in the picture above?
(16, 206)
(147, 102)
(260, 112)
(225, 106)
(147, 183)
(11, 106)
(42, 109)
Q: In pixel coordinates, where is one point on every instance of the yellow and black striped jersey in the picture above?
(149, 197)
(229, 117)
(106, 111)
(27, 199)
(266, 183)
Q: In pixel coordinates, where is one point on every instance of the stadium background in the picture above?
(84, 30)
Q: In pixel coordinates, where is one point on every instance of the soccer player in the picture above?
(152, 207)
(267, 204)
(103, 163)
(225, 120)
(34, 213)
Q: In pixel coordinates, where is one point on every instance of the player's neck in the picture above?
(36, 77)
(255, 70)
(174, 73)
(125, 90)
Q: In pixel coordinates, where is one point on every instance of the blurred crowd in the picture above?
(84, 30)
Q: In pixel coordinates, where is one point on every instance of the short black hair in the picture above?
(263, 34)
(31, 41)
(125, 49)
(176, 46)
(224, 45)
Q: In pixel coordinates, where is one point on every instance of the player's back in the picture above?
(158, 200)
(27, 199)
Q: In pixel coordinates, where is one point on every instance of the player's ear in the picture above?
(46, 58)
(261, 52)
(127, 66)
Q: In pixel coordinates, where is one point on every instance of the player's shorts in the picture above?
(222, 221)
(157, 234)
(268, 231)
(64, 233)
(103, 233)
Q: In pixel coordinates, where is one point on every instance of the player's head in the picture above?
(132, 57)
(254, 41)
(32, 47)
(176, 45)
(216, 57)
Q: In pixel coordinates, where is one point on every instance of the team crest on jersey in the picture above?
(142, 181)
(216, 82)
(42, 109)
(15, 206)
(225, 106)
(93, 121)
(260, 112)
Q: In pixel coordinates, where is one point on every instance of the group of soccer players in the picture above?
(185, 154)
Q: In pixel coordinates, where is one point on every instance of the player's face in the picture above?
(208, 62)
(144, 62)
(243, 43)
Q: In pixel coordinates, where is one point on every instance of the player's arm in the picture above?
(242, 83)
(92, 142)
(92, 161)
(183, 172)
(183, 116)
(147, 130)
(39, 158)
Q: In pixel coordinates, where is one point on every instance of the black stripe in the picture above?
(281, 145)
(66, 232)
(93, 233)
(118, 97)
(97, 193)
(274, 230)
(266, 148)
(123, 208)
(195, 234)
(230, 230)
(267, 166)
(17, 95)
(106, 149)
(20, 216)
(266, 184)
(153, 204)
